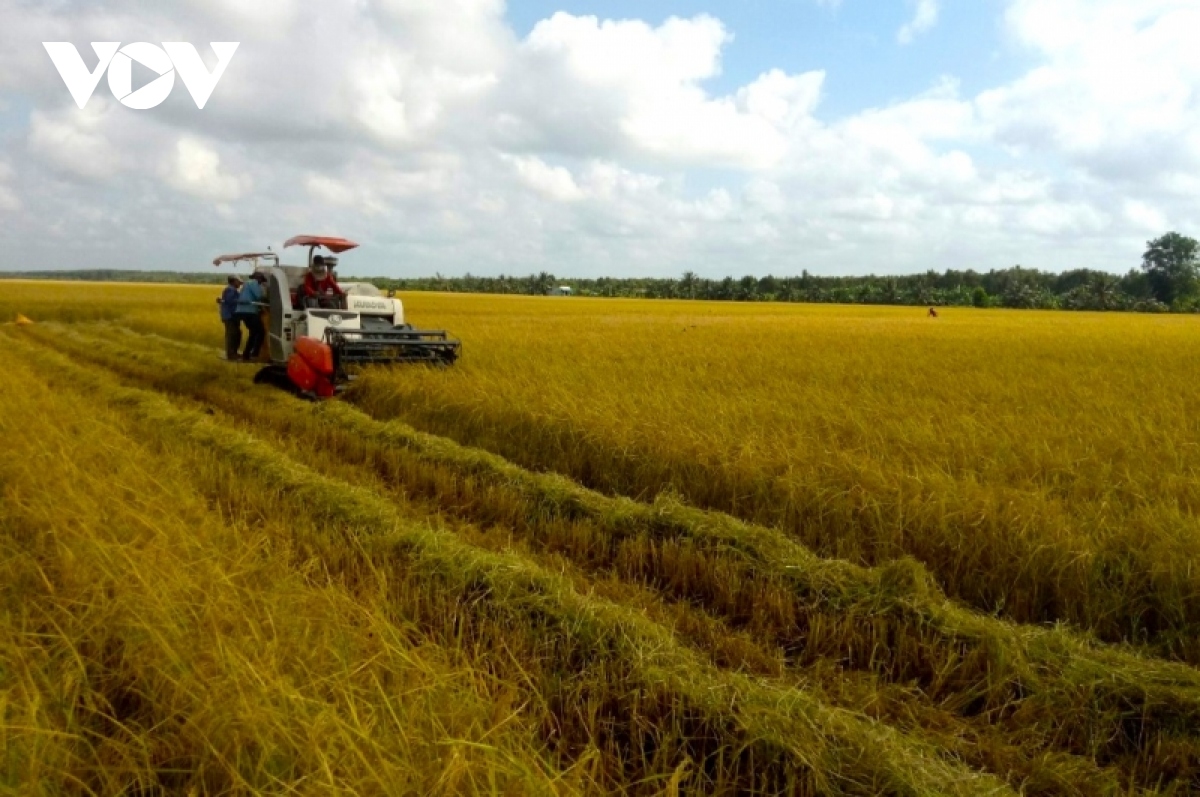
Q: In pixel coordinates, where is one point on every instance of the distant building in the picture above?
(561, 290)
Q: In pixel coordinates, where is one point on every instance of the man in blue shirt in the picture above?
(233, 330)
(252, 296)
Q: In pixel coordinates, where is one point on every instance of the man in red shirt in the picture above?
(320, 287)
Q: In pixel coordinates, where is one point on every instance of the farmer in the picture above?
(251, 296)
(320, 286)
(227, 301)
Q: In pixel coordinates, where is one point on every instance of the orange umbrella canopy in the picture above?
(332, 244)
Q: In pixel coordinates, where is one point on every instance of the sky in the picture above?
(618, 138)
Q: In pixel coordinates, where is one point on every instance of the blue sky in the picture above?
(854, 42)
(615, 138)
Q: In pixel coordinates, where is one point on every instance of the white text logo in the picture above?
(164, 61)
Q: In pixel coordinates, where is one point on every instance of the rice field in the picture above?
(623, 546)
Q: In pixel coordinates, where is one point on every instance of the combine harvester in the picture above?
(314, 351)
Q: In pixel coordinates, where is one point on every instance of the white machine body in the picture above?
(366, 309)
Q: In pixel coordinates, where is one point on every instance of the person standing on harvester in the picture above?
(228, 301)
(249, 300)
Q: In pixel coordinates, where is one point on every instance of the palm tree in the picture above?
(1105, 291)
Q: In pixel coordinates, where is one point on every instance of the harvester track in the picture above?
(1105, 718)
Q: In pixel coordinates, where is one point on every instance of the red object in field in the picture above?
(334, 245)
(324, 388)
(316, 354)
(311, 367)
(301, 373)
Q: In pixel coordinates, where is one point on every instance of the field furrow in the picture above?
(1043, 467)
(1121, 709)
(991, 549)
(608, 682)
(155, 644)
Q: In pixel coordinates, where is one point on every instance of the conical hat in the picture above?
(22, 321)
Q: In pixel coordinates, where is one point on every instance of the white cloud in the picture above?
(9, 201)
(553, 182)
(783, 100)
(1116, 92)
(1145, 216)
(195, 169)
(611, 181)
(269, 18)
(637, 88)
(443, 141)
(74, 142)
(925, 16)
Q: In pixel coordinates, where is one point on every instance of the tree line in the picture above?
(1167, 281)
(122, 275)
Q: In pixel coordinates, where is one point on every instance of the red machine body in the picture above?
(311, 367)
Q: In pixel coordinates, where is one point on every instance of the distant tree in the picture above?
(768, 287)
(1136, 285)
(1019, 295)
(1170, 263)
(1105, 291)
(891, 293)
(541, 284)
(747, 289)
(687, 285)
(725, 289)
(1100, 292)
